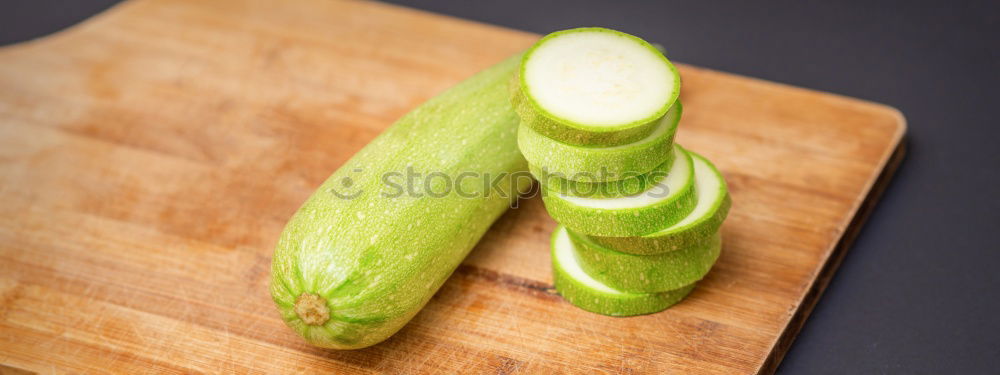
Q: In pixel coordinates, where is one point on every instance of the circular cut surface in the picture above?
(709, 212)
(666, 202)
(589, 294)
(598, 78)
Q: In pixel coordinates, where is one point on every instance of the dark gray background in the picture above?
(918, 292)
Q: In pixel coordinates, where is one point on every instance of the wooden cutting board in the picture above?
(150, 157)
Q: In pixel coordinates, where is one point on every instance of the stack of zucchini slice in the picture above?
(639, 215)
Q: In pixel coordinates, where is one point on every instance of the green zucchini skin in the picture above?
(624, 222)
(566, 131)
(602, 164)
(674, 237)
(349, 273)
(610, 189)
(590, 295)
(647, 273)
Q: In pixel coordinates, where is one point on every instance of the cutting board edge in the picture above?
(818, 285)
(68, 31)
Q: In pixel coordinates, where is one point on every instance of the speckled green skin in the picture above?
(670, 238)
(563, 130)
(622, 222)
(377, 260)
(603, 163)
(646, 273)
(612, 304)
(611, 189)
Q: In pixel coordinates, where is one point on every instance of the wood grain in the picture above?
(150, 156)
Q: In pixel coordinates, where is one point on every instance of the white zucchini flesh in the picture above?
(599, 79)
(711, 209)
(585, 292)
(667, 202)
(594, 86)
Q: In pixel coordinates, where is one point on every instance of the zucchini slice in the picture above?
(594, 87)
(667, 202)
(592, 187)
(646, 273)
(589, 294)
(706, 218)
(601, 164)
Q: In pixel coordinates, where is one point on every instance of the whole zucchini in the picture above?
(368, 249)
